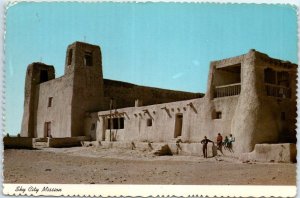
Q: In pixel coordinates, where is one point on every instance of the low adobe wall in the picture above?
(67, 142)
(193, 149)
(116, 134)
(262, 153)
(17, 142)
(272, 153)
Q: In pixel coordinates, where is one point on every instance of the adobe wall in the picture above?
(125, 94)
(17, 142)
(66, 142)
(90, 128)
(192, 149)
(33, 78)
(59, 114)
(272, 153)
(197, 121)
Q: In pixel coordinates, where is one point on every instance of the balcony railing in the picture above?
(227, 90)
(278, 91)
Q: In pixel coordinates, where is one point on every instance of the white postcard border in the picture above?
(148, 190)
(139, 190)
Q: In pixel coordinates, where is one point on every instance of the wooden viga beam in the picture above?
(146, 111)
(167, 111)
(114, 114)
(192, 107)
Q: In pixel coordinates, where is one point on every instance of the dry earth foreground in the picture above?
(94, 165)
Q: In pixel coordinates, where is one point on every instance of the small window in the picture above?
(88, 59)
(270, 76)
(108, 123)
(121, 123)
(149, 122)
(283, 79)
(93, 126)
(50, 101)
(116, 123)
(218, 115)
(282, 115)
(70, 56)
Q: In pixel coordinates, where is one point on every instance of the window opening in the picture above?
(277, 83)
(70, 56)
(283, 79)
(270, 76)
(117, 123)
(50, 101)
(43, 76)
(121, 123)
(217, 115)
(88, 59)
(227, 80)
(149, 122)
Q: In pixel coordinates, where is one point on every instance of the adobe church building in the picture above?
(251, 96)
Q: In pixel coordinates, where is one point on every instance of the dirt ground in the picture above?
(89, 165)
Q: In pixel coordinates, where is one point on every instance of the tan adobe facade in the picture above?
(57, 106)
(251, 96)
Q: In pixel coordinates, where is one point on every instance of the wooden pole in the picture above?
(110, 118)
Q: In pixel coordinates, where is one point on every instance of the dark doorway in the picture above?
(43, 76)
(47, 130)
(178, 125)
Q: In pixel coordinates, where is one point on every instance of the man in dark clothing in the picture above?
(219, 141)
(204, 148)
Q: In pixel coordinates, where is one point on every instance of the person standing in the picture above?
(204, 147)
(230, 140)
(219, 141)
(225, 143)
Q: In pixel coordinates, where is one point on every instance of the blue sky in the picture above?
(167, 45)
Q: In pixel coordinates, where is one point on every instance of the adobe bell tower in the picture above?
(84, 66)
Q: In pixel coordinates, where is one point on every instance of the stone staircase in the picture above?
(39, 143)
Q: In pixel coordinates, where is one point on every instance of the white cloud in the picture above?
(178, 75)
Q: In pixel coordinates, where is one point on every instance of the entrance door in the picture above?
(178, 125)
(47, 131)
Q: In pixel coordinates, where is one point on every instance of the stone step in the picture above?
(40, 145)
(40, 139)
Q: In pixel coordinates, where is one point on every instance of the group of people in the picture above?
(227, 143)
